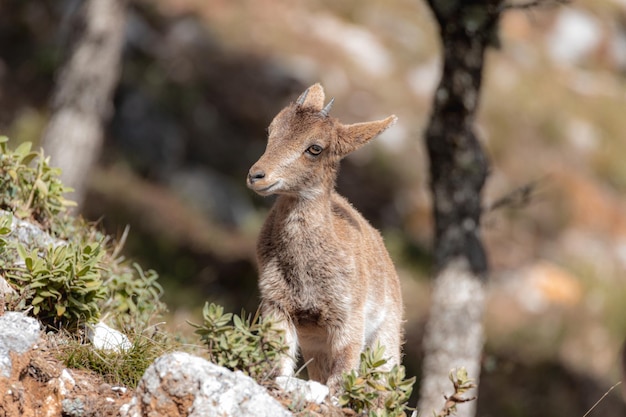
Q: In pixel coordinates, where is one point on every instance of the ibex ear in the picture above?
(352, 137)
(313, 97)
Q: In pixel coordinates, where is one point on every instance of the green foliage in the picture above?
(63, 285)
(133, 295)
(252, 345)
(80, 277)
(29, 187)
(5, 229)
(376, 392)
(461, 383)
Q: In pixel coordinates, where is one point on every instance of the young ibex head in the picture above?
(305, 146)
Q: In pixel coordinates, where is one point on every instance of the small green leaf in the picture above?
(28, 158)
(23, 149)
(60, 310)
(22, 251)
(29, 263)
(42, 187)
(379, 363)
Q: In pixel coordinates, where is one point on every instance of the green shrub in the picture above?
(373, 391)
(133, 295)
(82, 276)
(63, 285)
(29, 186)
(77, 279)
(252, 345)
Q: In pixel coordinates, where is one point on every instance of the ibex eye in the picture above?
(315, 149)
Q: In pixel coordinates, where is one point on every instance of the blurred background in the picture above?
(202, 79)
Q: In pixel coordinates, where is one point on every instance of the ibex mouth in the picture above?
(265, 190)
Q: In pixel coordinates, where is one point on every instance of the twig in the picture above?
(531, 4)
(517, 198)
(461, 384)
(303, 366)
(601, 398)
(451, 403)
(120, 244)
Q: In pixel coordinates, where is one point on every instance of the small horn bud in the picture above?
(324, 112)
(300, 100)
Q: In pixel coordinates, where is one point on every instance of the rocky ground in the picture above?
(35, 383)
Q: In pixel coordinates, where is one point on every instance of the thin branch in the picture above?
(302, 367)
(461, 384)
(517, 198)
(531, 4)
(602, 398)
(120, 244)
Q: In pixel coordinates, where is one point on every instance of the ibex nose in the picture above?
(255, 174)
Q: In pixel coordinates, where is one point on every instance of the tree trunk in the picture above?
(458, 169)
(82, 97)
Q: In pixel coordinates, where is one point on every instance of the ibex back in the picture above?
(325, 274)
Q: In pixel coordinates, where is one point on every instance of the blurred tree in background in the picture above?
(81, 101)
(454, 334)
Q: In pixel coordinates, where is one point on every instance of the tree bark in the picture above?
(82, 98)
(458, 170)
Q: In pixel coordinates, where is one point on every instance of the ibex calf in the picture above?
(325, 274)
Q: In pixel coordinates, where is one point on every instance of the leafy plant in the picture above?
(29, 186)
(81, 276)
(63, 285)
(373, 391)
(76, 279)
(5, 229)
(133, 295)
(252, 345)
(461, 383)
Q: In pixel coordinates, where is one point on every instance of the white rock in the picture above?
(309, 391)
(66, 383)
(180, 384)
(18, 334)
(5, 288)
(121, 390)
(29, 234)
(60, 388)
(106, 338)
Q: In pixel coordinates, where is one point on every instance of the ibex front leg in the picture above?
(288, 360)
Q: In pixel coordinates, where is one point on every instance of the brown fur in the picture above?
(325, 274)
